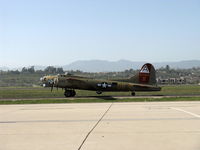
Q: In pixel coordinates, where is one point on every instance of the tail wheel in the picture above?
(133, 93)
(99, 92)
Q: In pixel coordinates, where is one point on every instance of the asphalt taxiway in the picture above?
(101, 126)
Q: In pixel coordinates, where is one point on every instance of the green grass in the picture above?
(98, 100)
(39, 92)
(176, 90)
(31, 95)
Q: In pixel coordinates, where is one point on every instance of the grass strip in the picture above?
(98, 100)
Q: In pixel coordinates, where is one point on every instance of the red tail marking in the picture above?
(144, 74)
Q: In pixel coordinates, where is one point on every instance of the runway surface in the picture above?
(101, 126)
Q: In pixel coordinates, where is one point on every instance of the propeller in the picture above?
(53, 82)
(52, 87)
(56, 82)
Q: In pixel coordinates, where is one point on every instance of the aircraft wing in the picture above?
(145, 87)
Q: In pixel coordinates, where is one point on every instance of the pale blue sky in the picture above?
(57, 32)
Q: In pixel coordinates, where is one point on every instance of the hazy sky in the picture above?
(57, 32)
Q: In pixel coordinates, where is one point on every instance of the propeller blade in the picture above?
(52, 88)
(56, 82)
(51, 83)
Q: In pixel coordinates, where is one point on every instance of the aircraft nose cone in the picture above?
(43, 81)
(48, 81)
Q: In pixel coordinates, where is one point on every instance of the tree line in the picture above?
(31, 70)
(29, 76)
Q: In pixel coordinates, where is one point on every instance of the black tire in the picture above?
(73, 93)
(98, 92)
(67, 94)
(133, 93)
(70, 93)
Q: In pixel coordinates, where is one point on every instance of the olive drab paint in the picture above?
(144, 80)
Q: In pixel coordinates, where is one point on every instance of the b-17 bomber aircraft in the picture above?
(144, 80)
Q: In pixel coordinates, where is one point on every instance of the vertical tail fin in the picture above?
(146, 75)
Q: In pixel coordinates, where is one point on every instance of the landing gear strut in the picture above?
(133, 93)
(69, 93)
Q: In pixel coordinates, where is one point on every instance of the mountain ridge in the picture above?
(120, 65)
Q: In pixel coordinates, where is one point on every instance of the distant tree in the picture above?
(167, 68)
(50, 70)
(31, 69)
(60, 70)
(24, 70)
(39, 71)
(15, 72)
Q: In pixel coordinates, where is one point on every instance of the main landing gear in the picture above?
(69, 93)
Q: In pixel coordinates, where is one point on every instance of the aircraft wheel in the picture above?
(133, 93)
(67, 94)
(73, 93)
(99, 92)
(70, 93)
